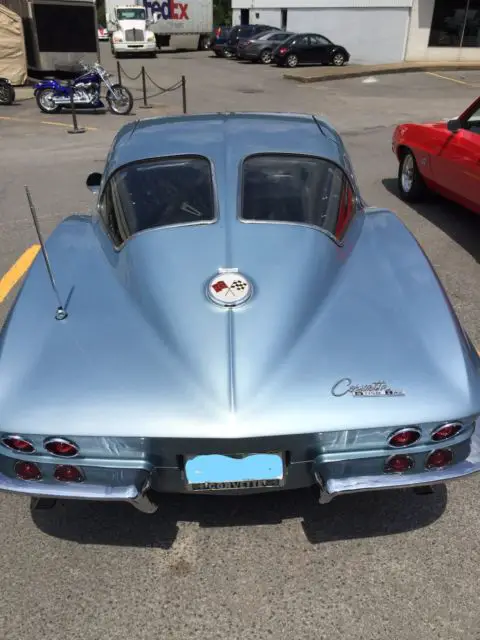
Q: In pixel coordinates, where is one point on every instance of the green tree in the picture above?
(222, 12)
(101, 19)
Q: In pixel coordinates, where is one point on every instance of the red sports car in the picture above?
(442, 156)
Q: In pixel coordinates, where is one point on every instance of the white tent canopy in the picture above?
(13, 58)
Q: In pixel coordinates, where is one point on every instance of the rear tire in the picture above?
(292, 61)
(410, 182)
(204, 43)
(44, 98)
(266, 56)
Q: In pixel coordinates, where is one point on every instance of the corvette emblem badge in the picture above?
(229, 288)
(378, 389)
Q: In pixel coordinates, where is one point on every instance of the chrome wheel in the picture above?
(46, 102)
(120, 100)
(410, 181)
(407, 175)
(292, 61)
(266, 57)
(338, 59)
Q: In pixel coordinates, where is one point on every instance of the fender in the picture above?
(50, 84)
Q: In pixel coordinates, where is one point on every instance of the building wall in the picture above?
(419, 34)
(370, 34)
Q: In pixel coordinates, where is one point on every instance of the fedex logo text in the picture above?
(169, 10)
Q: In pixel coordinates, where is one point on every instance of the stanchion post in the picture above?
(184, 94)
(119, 73)
(76, 128)
(144, 88)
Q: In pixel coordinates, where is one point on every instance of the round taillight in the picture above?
(404, 437)
(67, 473)
(27, 471)
(439, 458)
(61, 447)
(18, 443)
(446, 431)
(398, 464)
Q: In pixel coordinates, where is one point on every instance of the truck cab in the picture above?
(128, 26)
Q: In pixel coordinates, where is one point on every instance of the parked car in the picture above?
(103, 34)
(219, 39)
(441, 156)
(233, 326)
(310, 48)
(260, 48)
(244, 31)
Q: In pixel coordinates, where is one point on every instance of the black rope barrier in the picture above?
(180, 84)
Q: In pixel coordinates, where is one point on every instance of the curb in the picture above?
(373, 70)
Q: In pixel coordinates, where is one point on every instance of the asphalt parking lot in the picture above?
(387, 565)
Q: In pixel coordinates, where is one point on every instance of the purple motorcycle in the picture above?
(52, 95)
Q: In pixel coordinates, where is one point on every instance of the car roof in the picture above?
(223, 137)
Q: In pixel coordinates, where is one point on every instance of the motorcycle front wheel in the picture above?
(120, 100)
(7, 93)
(45, 102)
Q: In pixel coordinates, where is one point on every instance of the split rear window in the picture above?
(296, 189)
(159, 193)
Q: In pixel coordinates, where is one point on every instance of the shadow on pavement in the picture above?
(462, 225)
(345, 518)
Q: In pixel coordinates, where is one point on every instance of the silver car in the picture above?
(233, 318)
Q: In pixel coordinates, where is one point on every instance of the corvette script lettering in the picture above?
(373, 390)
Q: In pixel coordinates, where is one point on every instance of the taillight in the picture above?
(345, 211)
(439, 458)
(27, 471)
(61, 447)
(17, 443)
(283, 50)
(67, 473)
(446, 431)
(398, 464)
(404, 437)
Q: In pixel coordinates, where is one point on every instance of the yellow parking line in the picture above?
(64, 124)
(438, 75)
(54, 124)
(17, 271)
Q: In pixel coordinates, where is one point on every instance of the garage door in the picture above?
(370, 35)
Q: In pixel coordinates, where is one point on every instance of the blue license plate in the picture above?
(216, 472)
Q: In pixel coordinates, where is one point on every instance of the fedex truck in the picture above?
(181, 23)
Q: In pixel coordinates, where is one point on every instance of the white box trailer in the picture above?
(177, 22)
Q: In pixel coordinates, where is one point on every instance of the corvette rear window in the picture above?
(295, 189)
(163, 192)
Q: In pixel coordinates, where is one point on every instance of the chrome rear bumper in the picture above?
(134, 493)
(332, 487)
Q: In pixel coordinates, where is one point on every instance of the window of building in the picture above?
(284, 18)
(455, 23)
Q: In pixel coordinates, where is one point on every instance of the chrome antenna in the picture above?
(61, 313)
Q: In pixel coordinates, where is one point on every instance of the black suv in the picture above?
(243, 31)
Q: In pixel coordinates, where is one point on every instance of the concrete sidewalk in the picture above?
(322, 74)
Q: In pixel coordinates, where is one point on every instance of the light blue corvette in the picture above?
(235, 319)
